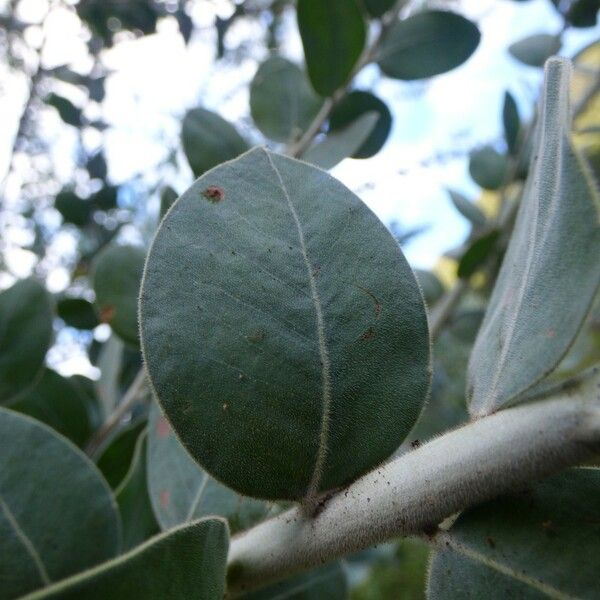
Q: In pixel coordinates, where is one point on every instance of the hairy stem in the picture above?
(415, 492)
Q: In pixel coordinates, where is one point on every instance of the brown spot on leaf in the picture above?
(367, 335)
(213, 194)
(256, 336)
(377, 304)
(107, 313)
(163, 428)
(164, 498)
(490, 542)
(550, 333)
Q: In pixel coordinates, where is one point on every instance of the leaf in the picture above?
(209, 140)
(511, 122)
(431, 286)
(541, 543)
(180, 491)
(333, 36)
(115, 458)
(477, 253)
(67, 111)
(72, 208)
(535, 50)
(356, 104)
(467, 209)
(282, 102)
(488, 168)
(77, 312)
(116, 275)
(110, 360)
(105, 198)
(187, 562)
(133, 500)
(427, 44)
(167, 198)
(549, 275)
(341, 144)
(377, 8)
(583, 13)
(59, 403)
(25, 336)
(325, 582)
(96, 166)
(57, 515)
(294, 357)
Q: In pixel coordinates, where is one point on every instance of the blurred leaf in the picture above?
(541, 543)
(354, 105)
(77, 312)
(209, 140)
(325, 582)
(60, 404)
(73, 209)
(467, 209)
(282, 102)
(262, 283)
(49, 491)
(340, 144)
(427, 44)
(333, 36)
(96, 166)
(431, 286)
(67, 111)
(116, 457)
(583, 13)
(167, 198)
(534, 50)
(188, 562)
(185, 24)
(549, 276)
(488, 168)
(110, 360)
(511, 121)
(180, 491)
(105, 198)
(477, 254)
(116, 276)
(134, 503)
(26, 326)
(377, 8)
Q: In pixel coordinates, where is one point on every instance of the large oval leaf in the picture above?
(57, 515)
(354, 105)
(333, 35)
(427, 44)
(282, 102)
(117, 272)
(25, 335)
(180, 491)
(284, 333)
(209, 140)
(550, 272)
(541, 543)
(188, 562)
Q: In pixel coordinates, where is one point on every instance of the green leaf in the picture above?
(477, 254)
(341, 144)
(431, 286)
(377, 8)
(110, 360)
(59, 403)
(116, 275)
(133, 500)
(77, 312)
(333, 35)
(583, 13)
(105, 198)
(67, 111)
(115, 458)
(427, 44)
(96, 166)
(535, 50)
(549, 276)
(325, 582)
(537, 544)
(25, 333)
(282, 102)
(209, 140)
(356, 104)
(72, 208)
(181, 491)
(488, 168)
(167, 198)
(188, 562)
(467, 209)
(57, 515)
(511, 122)
(308, 368)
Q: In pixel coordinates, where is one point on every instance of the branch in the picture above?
(415, 492)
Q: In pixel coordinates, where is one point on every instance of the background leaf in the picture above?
(535, 50)
(333, 35)
(488, 168)
(77, 312)
(377, 8)
(275, 307)
(427, 44)
(511, 122)
(57, 514)
(467, 209)
(549, 276)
